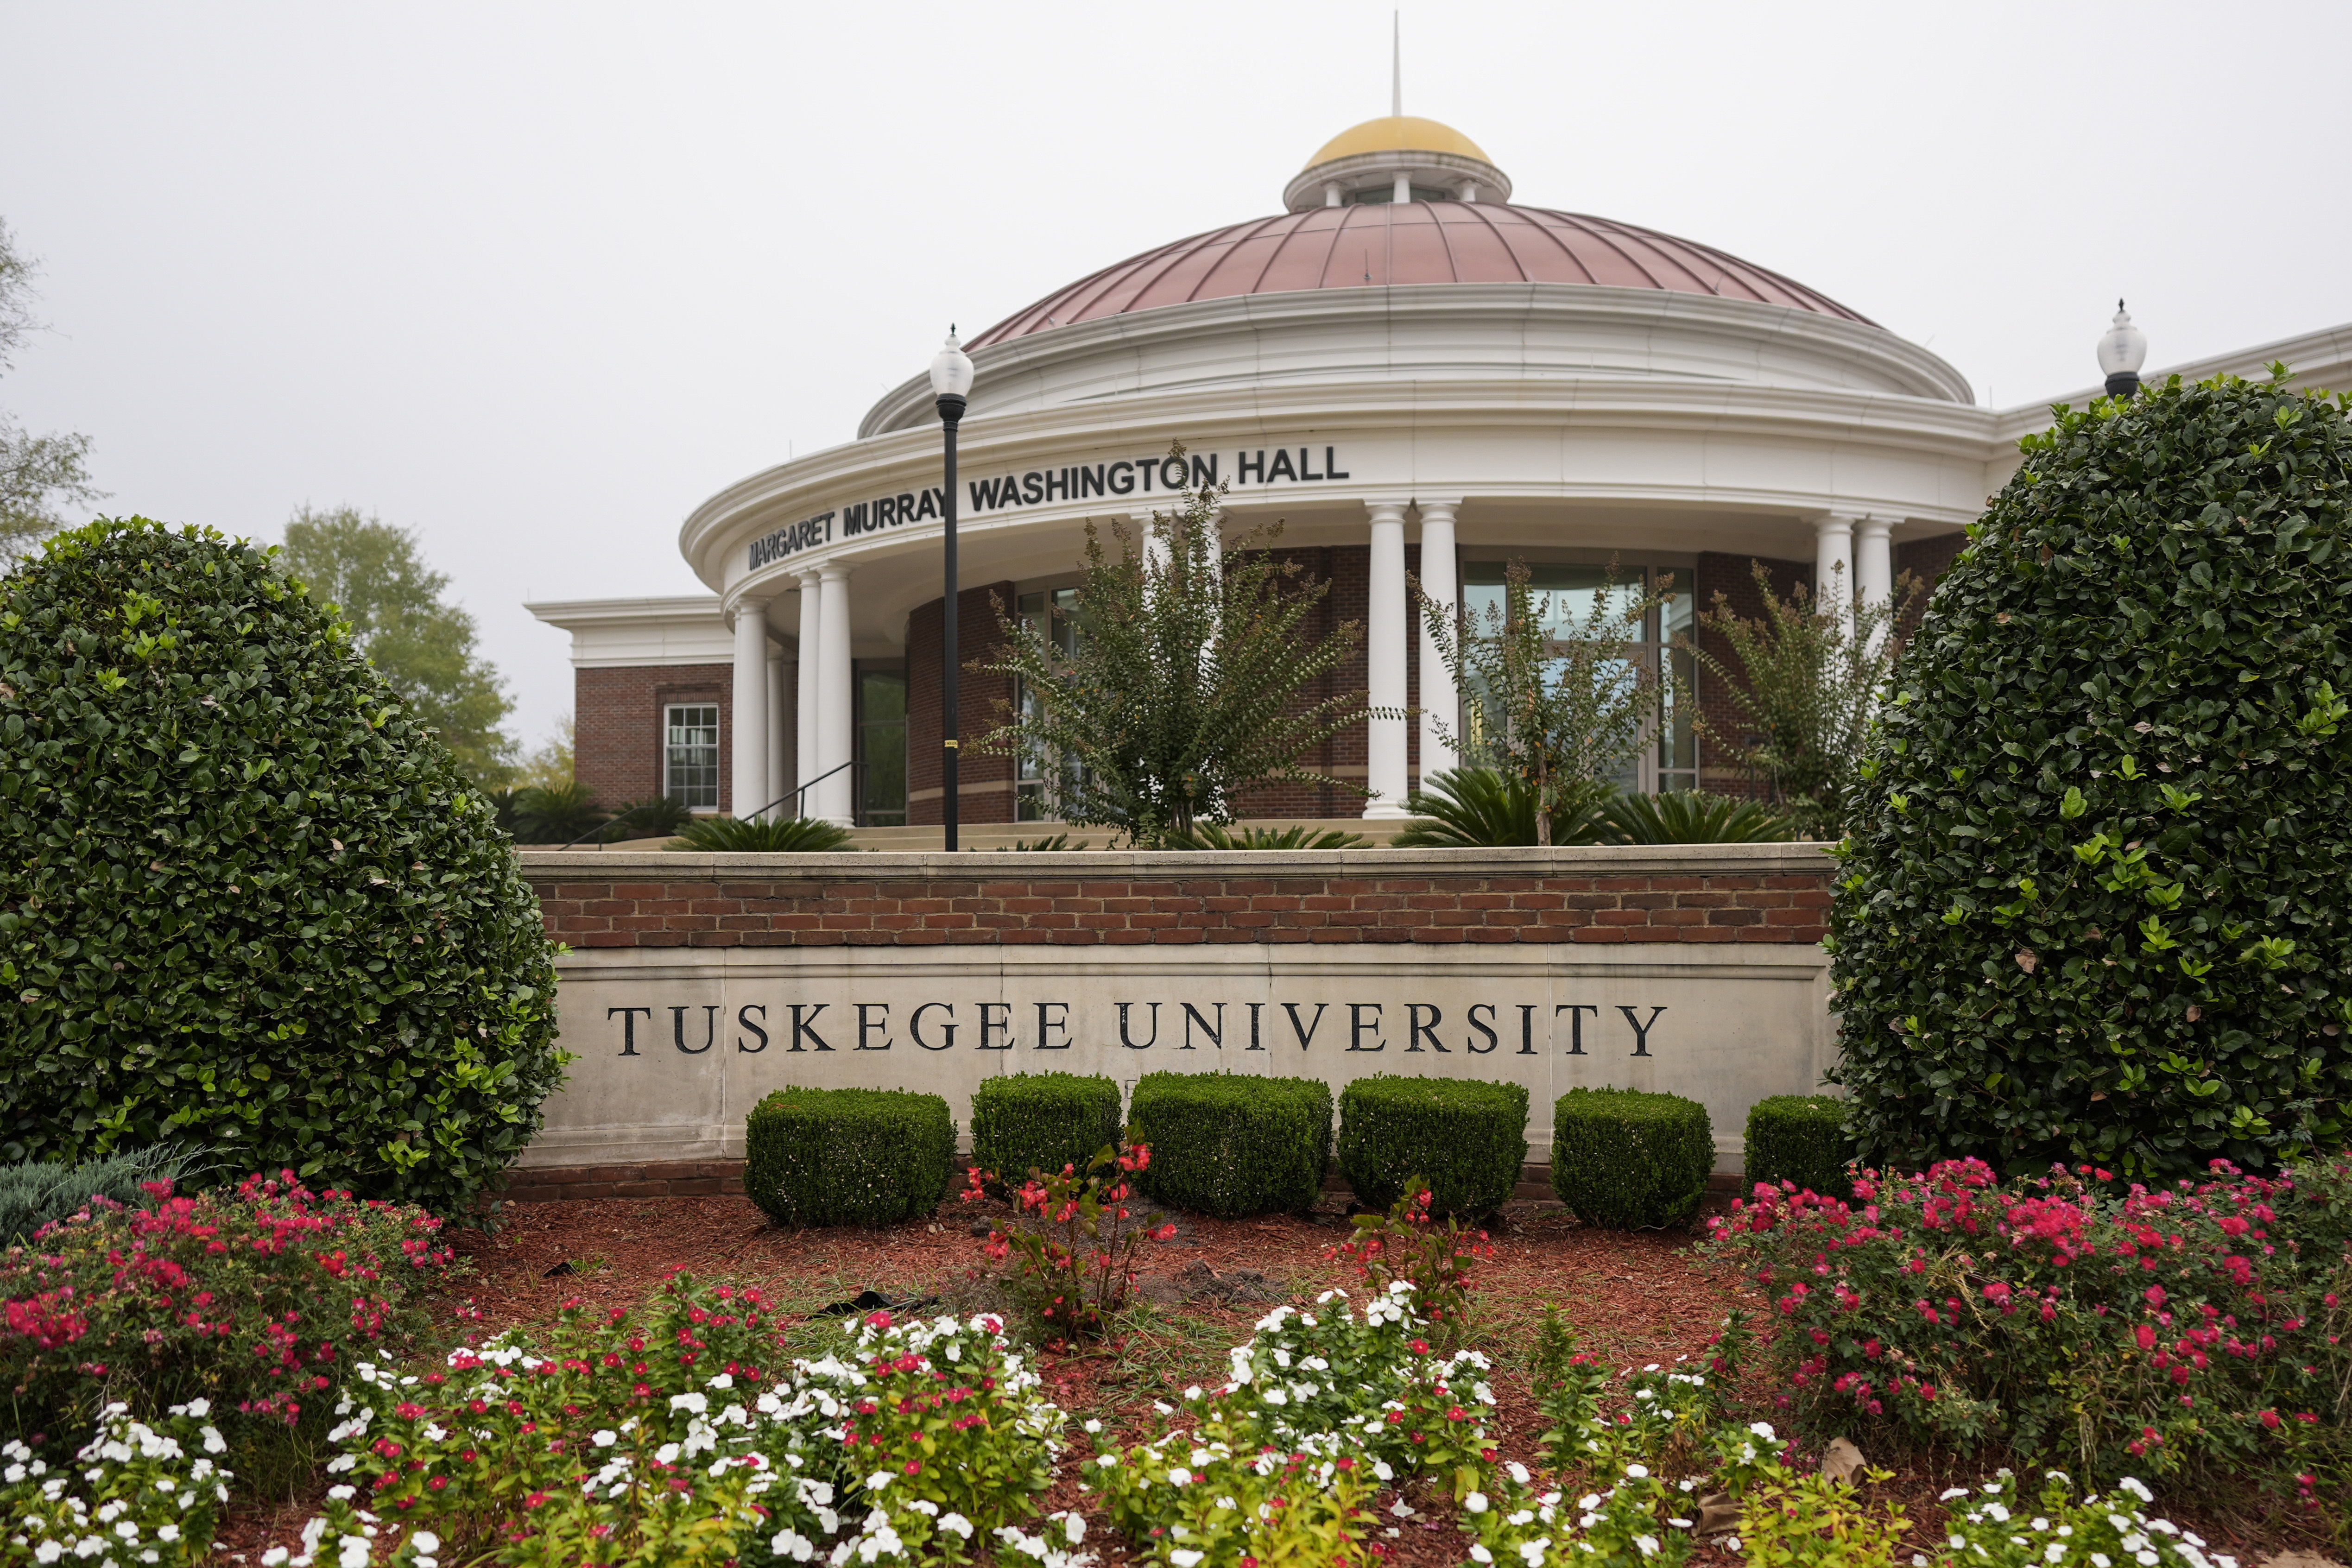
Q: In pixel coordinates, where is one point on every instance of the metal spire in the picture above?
(1396, 64)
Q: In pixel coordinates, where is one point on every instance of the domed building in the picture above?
(1418, 374)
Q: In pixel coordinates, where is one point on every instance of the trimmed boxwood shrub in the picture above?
(1042, 1121)
(2094, 909)
(848, 1156)
(1626, 1159)
(247, 904)
(1799, 1138)
(1232, 1144)
(1468, 1139)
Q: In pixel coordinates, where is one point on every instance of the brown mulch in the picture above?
(1636, 1299)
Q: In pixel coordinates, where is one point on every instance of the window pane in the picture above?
(882, 747)
(691, 757)
(1564, 595)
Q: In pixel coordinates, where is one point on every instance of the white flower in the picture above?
(1179, 1477)
(1380, 1468)
(2133, 1485)
(1092, 1425)
(1475, 1503)
(1951, 1492)
(1762, 1430)
(1480, 1554)
(697, 1402)
(1518, 1472)
(1648, 1544)
(793, 1544)
(1533, 1552)
(1639, 1472)
(352, 1552)
(955, 1523)
(1186, 1559)
(342, 1494)
(1073, 1526)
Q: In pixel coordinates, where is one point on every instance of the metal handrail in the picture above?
(794, 797)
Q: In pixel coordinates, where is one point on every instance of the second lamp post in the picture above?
(951, 379)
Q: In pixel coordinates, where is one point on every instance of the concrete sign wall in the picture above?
(698, 983)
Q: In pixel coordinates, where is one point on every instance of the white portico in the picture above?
(1422, 381)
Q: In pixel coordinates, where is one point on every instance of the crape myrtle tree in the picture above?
(1563, 711)
(1186, 684)
(1804, 680)
(248, 904)
(2094, 901)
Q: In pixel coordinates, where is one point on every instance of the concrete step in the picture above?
(1004, 835)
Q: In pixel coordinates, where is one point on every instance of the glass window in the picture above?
(690, 756)
(1050, 613)
(1564, 597)
(881, 745)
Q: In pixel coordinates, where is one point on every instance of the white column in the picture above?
(1873, 567)
(1402, 191)
(804, 746)
(1834, 567)
(1384, 650)
(836, 798)
(1469, 190)
(1441, 703)
(780, 778)
(749, 778)
(1331, 194)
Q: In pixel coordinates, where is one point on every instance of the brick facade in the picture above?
(985, 780)
(617, 734)
(1740, 893)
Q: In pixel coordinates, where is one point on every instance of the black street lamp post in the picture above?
(951, 379)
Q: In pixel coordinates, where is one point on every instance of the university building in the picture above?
(1418, 376)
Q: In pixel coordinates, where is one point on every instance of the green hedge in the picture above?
(848, 1156)
(1625, 1160)
(1230, 1145)
(1799, 1138)
(1042, 1121)
(1466, 1139)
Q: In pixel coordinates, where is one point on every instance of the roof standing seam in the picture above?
(1489, 248)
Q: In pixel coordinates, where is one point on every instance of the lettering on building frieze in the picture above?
(1146, 1024)
(1124, 479)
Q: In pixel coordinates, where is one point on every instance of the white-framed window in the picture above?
(1050, 611)
(1564, 594)
(690, 754)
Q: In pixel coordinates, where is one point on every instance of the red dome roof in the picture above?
(1409, 243)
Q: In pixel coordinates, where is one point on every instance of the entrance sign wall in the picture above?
(696, 983)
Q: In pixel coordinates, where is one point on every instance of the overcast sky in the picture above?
(536, 280)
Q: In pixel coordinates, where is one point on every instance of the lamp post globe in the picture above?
(2121, 352)
(950, 380)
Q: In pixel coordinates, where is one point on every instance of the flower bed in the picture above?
(254, 1299)
(2196, 1329)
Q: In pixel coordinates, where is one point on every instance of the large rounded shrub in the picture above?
(246, 903)
(2096, 908)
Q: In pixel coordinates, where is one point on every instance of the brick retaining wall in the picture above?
(1717, 893)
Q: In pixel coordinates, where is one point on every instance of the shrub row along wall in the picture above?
(698, 984)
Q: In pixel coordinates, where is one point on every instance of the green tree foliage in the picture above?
(425, 646)
(247, 903)
(1186, 685)
(1806, 688)
(1562, 713)
(2094, 907)
(38, 473)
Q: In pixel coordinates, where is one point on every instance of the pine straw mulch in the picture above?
(1636, 1299)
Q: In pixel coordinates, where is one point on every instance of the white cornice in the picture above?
(1903, 428)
